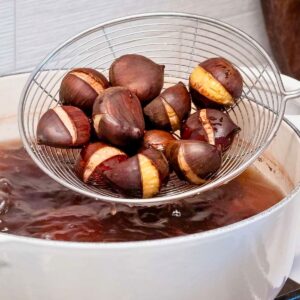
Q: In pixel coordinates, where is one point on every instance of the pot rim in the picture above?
(165, 241)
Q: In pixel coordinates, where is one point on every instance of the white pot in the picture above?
(250, 259)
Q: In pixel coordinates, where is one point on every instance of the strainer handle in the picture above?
(292, 94)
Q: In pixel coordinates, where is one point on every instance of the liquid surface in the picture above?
(32, 204)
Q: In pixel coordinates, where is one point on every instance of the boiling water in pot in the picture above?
(34, 205)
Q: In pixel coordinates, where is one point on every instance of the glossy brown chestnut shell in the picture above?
(211, 126)
(168, 109)
(193, 161)
(215, 82)
(202, 102)
(141, 175)
(63, 127)
(80, 87)
(157, 139)
(96, 158)
(139, 74)
(160, 161)
(118, 117)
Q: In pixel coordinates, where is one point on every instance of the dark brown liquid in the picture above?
(32, 204)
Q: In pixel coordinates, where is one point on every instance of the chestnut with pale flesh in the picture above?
(80, 88)
(63, 127)
(169, 108)
(212, 126)
(159, 160)
(217, 81)
(157, 139)
(139, 74)
(118, 117)
(194, 161)
(96, 158)
(202, 102)
(141, 175)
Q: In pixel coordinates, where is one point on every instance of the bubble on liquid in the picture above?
(5, 190)
(70, 226)
(4, 204)
(176, 213)
(113, 209)
(5, 186)
(47, 236)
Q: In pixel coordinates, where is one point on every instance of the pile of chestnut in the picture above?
(125, 125)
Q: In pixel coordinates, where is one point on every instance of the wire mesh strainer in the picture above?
(180, 42)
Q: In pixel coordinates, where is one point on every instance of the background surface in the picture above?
(30, 29)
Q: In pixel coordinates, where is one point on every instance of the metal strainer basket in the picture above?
(180, 42)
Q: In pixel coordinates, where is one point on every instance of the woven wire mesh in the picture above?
(180, 42)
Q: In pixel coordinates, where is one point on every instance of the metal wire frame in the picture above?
(180, 41)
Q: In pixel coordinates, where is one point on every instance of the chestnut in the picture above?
(217, 81)
(139, 74)
(193, 161)
(157, 139)
(171, 107)
(63, 127)
(96, 158)
(202, 102)
(141, 175)
(118, 117)
(159, 160)
(80, 87)
(212, 126)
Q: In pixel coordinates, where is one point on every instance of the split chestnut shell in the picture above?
(211, 126)
(118, 117)
(168, 109)
(141, 175)
(81, 86)
(215, 81)
(63, 127)
(96, 158)
(193, 161)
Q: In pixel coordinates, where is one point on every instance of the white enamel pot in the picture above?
(250, 259)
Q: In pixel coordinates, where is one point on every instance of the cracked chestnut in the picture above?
(168, 109)
(157, 139)
(63, 127)
(96, 158)
(193, 161)
(141, 175)
(118, 117)
(139, 74)
(211, 126)
(80, 87)
(215, 82)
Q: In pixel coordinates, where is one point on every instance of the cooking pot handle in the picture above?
(294, 96)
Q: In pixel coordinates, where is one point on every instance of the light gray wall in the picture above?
(29, 29)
